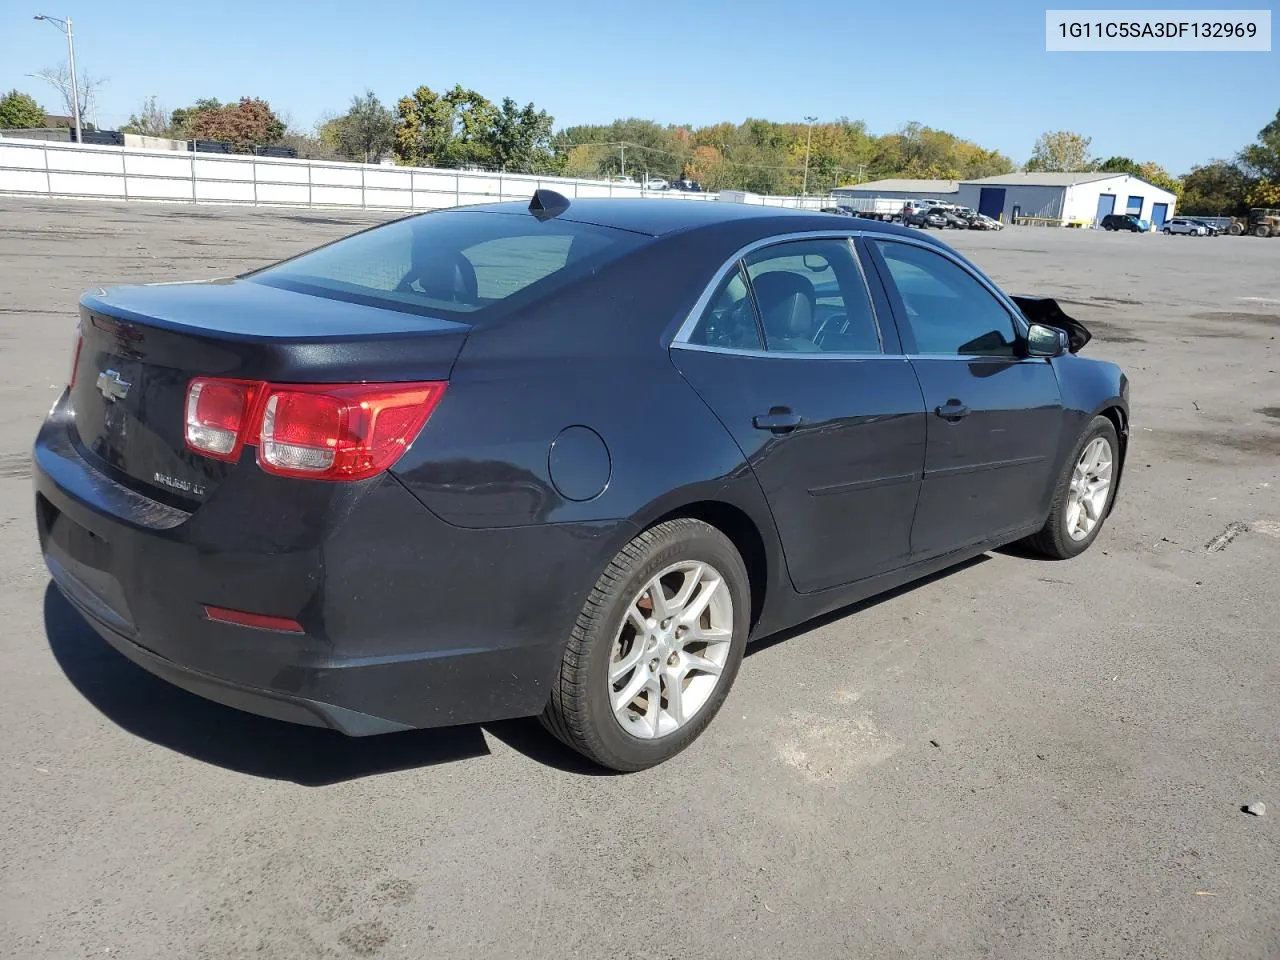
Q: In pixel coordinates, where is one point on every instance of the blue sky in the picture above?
(977, 70)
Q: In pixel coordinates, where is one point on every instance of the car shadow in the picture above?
(155, 710)
(764, 643)
(169, 716)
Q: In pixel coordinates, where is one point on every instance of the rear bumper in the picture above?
(407, 621)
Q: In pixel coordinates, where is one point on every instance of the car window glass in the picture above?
(452, 263)
(812, 298)
(949, 310)
(729, 320)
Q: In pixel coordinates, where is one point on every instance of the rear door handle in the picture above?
(952, 411)
(777, 420)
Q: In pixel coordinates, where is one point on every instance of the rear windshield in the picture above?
(452, 263)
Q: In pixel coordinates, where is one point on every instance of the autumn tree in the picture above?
(244, 125)
(1060, 151)
(18, 111)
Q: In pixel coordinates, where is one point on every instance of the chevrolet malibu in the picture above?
(560, 459)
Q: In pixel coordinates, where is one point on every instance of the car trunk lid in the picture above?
(142, 345)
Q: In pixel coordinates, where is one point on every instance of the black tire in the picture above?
(1168, 232)
(1053, 541)
(579, 712)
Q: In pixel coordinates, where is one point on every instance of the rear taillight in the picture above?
(75, 357)
(342, 432)
(320, 431)
(218, 416)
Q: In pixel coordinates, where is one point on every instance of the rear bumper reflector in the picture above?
(259, 621)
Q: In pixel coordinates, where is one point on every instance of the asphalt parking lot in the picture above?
(1017, 759)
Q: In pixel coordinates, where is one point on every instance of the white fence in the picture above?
(44, 168)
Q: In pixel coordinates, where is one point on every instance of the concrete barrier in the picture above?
(43, 168)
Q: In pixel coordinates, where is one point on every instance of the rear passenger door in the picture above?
(808, 377)
(994, 415)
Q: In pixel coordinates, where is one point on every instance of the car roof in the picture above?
(657, 217)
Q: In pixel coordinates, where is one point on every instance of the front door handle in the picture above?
(952, 411)
(777, 420)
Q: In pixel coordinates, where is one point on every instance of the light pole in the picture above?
(65, 27)
(807, 144)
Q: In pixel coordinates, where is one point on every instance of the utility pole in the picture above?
(623, 148)
(65, 26)
(807, 144)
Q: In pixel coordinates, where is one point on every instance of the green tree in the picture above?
(151, 120)
(19, 111)
(1217, 188)
(1060, 151)
(520, 138)
(1119, 165)
(366, 132)
(1262, 159)
(444, 130)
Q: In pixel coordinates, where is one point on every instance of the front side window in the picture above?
(950, 312)
(452, 263)
(812, 298)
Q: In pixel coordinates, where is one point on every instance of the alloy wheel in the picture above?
(670, 650)
(1090, 485)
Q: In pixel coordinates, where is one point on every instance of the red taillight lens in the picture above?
(75, 357)
(342, 432)
(218, 416)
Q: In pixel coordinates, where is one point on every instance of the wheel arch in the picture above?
(745, 535)
(1114, 411)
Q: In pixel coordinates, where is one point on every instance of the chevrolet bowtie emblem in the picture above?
(111, 386)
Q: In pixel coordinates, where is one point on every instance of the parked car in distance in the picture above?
(925, 217)
(1185, 226)
(1211, 228)
(356, 489)
(656, 183)
(839, 211)
(622, 178)
(1122, 221)
(982, 222)
(953, 219)
(688, 186)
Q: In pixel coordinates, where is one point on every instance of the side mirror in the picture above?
(1044, 341)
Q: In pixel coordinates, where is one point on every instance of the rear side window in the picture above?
(730, 318)
(453, 263)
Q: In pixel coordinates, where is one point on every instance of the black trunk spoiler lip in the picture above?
(1047, 311)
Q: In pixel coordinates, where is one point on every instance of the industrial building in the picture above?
(1083, 198)
(944, 190)
(1064, 198)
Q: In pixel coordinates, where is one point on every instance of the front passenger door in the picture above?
(994, 416)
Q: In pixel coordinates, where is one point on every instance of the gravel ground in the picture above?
(1014, 759)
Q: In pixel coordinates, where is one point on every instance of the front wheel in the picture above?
(1168, 232)
(655, 649)
(1083, 496)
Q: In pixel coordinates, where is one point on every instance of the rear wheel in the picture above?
(656, 648)
(1083, 496)
(1168, 232)
(1262, 230)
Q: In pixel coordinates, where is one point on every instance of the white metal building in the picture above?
(944, 190)
(1067, 197)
